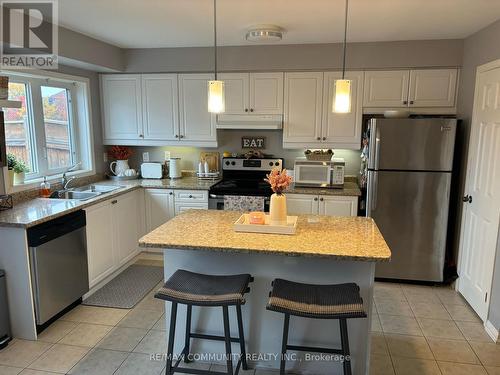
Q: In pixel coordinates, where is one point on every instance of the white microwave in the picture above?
(325, 174)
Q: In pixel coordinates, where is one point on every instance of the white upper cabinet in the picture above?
(197, 125)
(237, 90)
(386, 88)
(302, 106)
(432, 88)
(160, 106)
(121, 100)
(342, 130)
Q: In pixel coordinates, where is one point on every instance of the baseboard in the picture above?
(491, 331)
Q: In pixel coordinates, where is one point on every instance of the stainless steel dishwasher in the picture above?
(58, 258)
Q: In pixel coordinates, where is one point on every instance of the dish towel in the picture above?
(243, 203)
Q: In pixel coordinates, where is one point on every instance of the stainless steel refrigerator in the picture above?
(409, 180)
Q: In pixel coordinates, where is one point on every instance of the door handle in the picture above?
(467, 198)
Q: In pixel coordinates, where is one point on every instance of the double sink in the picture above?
(86, 192)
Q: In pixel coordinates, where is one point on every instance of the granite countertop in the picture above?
(343, 238)
(39, 210)
(350, 189)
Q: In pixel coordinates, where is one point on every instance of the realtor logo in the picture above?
(29, 34)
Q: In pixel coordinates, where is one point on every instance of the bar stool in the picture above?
(194, 289)
(341, 301)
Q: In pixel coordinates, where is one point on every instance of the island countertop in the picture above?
(344, 238)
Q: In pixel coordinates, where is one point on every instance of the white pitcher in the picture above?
(119, 167)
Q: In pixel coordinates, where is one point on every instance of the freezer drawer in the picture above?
(411, 211)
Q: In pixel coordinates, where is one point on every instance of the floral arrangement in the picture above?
(279, 180)
(120, 152)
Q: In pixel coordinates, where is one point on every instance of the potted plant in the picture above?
(121, 154)
(279, 181)
(20, 169)
(11, 162)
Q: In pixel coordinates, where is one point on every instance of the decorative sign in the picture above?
(253, 142)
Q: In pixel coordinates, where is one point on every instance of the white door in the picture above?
(236, 87)
(432, 88)
(121, 102)
(481, 216)
(127, 226)
(338, 206)
(302, 204)
(196, 123)
(160, 106)
(266, 93)
(159, 207)
(100, 240)
(387, 88)
(302, 108)
(342, 130)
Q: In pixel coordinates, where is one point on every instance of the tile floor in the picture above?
(416, 330)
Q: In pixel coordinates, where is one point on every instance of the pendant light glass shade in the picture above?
(342, 98)
(216, 100)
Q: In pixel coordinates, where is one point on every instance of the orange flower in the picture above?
(279, 180)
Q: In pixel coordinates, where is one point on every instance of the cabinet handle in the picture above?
(321, 199)
(171, 193)
(141, 136)
(315, 199)
(177, 136)
(246, 109)
(181, 136)
(405, 101)
(324, 138)
(251, 109)
(190, 196)
(411, 101)
(319, 138)
(114, 201)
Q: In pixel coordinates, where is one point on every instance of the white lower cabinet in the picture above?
(306, 204)
(190, 200)
(159, 207)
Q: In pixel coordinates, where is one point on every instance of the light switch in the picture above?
(145, 157)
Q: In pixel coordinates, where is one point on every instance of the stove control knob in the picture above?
(227, 163)
(270, 163)
(277, 163)
(233, 163)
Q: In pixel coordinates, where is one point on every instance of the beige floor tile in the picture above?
(138, 363)
(379, 365)
(411, 366)
(408, 346)
(56, 331)
(86, 335)
(393, 307)
(20, 353)
(452, 351)
(378, 344)
(395, 294)
(99, 361)
(474, 331)
(462, 313)
(450, 297)
(95, 315)
(444, 329)
(140, 319)
(222, 368)
(492, 370)
(29, 371)
(59, 358)
(155, 342)
(429, 310)
(449, 368)
(8, 370)
(160, 325)
(403, 325)
(423, 297)
(489, 354)
(151, 303)
(122, 339)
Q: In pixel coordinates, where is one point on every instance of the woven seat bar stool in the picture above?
(194, 289)
(341, 301)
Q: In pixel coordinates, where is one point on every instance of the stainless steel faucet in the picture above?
(65, 180)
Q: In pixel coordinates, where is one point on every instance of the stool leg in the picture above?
(171, 336)
(188, 333)
(244, 364)
(227, 337)
(284, 343)
(345, 346)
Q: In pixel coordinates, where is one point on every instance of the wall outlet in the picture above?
(166, 155)
(105, 157)
(145, 157)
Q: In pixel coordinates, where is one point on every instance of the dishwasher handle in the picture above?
(45, 232)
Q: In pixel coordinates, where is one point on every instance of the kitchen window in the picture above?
(51, 131)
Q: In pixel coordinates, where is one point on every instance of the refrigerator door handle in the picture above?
(377, 149)
(374, 145)
(371, 198)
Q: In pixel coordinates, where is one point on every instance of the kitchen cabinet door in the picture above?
(302, 109)
(302, 204)
(159, 207)
(160, 106)
(433, 88)
(338, 206)
(100, 241)
(236, 92)
(266, 93)
(126, 217)
(386, 88)
(197, 125)
(184, 206)
(122, 107)
(342, 130)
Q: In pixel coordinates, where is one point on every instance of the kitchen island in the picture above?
(324, 250)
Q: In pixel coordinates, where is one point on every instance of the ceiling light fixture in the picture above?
(264, 33)
(342, 98)
(216, 100)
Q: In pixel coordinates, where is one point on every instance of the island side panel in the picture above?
(263, 328)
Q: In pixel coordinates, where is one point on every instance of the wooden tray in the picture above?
(243, 225)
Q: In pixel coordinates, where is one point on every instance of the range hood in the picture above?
(250, 121)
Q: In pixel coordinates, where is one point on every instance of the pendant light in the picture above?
(216, 101)
(342, 98)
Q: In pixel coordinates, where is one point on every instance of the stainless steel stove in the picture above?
(243, 177)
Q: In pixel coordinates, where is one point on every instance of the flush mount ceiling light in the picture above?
(264, 33)
(342, 99)
(216, 100)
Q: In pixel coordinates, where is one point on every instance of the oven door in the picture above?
(216, 202)
(312, 174)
